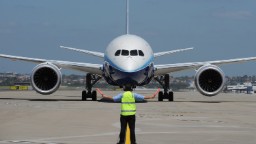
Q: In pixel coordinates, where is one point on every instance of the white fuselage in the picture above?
(128, 60)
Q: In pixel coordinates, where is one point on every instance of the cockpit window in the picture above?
(133, 52)
(141, 53)
(125, 52)
(118, 53)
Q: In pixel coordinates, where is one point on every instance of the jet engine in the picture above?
(209, 80)
(46, 78)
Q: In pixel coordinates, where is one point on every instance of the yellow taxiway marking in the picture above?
(127, 135)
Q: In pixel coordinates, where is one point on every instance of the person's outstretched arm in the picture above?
(103, 95)
(152, 96)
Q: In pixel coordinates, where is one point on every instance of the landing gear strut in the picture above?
(91, 80)
(164, 81)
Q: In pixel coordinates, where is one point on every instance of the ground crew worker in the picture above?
(128, 110)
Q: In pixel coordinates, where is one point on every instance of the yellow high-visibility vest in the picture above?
(128, 106)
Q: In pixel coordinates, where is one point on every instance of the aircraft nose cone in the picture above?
(130, 64)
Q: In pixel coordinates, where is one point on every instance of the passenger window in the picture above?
(133, 52)
(141, 53)
(118, 53)
(125, 52)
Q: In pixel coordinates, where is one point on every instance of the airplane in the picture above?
(248, 87)
(127, 60)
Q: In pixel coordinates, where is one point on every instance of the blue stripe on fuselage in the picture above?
(140, 68)
(116, 77)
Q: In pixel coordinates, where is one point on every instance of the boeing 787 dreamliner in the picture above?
(127, 60)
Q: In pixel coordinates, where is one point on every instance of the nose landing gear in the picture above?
(91, 80)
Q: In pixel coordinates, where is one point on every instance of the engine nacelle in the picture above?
(46, 78)
(209, 80)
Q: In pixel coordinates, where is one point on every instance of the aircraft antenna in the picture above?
(127, 16)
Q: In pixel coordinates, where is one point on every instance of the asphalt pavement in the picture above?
(62, 118)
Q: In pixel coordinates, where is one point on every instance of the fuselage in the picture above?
(128, 60)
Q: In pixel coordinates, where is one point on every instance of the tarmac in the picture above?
(62, 118)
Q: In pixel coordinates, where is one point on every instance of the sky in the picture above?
(217, 29)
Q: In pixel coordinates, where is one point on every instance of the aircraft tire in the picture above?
(94, 95)
(84, 95)
(160, 96)
(171, 96)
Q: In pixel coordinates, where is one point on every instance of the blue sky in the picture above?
(217, 29)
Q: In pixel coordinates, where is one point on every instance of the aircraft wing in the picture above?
(84, 67)
(98, 54)
(168, 68)
(171, 52)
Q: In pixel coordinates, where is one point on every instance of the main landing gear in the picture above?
(91, 80)
(164, 81)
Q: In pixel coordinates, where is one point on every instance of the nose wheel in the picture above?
(91, 80)
(164, 81)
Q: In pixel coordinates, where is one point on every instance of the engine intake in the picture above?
(46, 78)
(209, 80)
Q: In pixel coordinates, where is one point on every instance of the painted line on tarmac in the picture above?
(192, 132)
(26, 142)
(190, 126)
(44, 140)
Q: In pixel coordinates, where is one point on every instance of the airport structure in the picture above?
(127, 60)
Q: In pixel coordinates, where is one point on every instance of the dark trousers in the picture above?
(124, 120)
